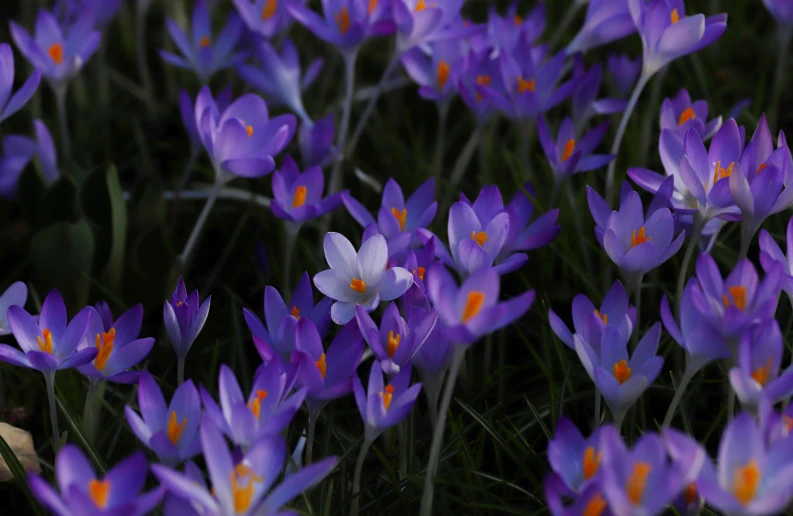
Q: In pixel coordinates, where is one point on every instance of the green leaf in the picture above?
(118, 220)
(62, 254)
(80, 437)
(19, 473)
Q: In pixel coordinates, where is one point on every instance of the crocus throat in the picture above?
(591, 462)
(637, 482)
(401, 216)
(721, 173)
(249, 130)
(603, 317)
(746, 481)
(358, 285)
(675, 16)
(622, 372)
(639, 237)
(738, 294)
(387, 396)
(691, 494)
(760, 375)
(473, 304)
(270, 6)
(569, 148)
(479, 237)
(104, 347)
(45, 344)
(393, 343)
(322, 365)
(761, 167)
(420, 6)
(56, 53)
(420, 272)
(256, 403)
(517, 19)
(175, 429)
(442, 73)
(98, 491)
(595, 506)
(204, 42)
(343, 20)
(686, 115)
(372, 7)
(482, 80)
(243, 495)
(524, 85)
(295, 312)
(299, 199)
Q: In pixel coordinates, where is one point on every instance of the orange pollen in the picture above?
(295, 312)
(322, 365)
(299, 198)
(421, 271)
(622, 372)
(204, 42)
(387, 396)
(104, 346)
(473, 305)
(738, 294)
(686, 115)
(180, 303)
(480, 237)
(603, 317)
(760, 375)
(721, 173)
(442, 73)
(691, 493)
(56, 53)
(761, 167)
(788, 422)
(372, 6)
(243, 496)
(517, 20)
(595, 506)
(98, 491)
(482, 80)
(175, 429)
(393, 343)
(343, 20)
(569, 148)
(256, 402)
(249, 130)
(401, 216)
(45, 345)
(420, 6)
(745, 482)
(358, 285)
(639, 237)
(270, 7)
(591, 462)
(637, 481)
(524, 85)
(675, 16)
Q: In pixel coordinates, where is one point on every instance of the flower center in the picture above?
(524, 85)
(686, 115)
(675, 16)
(175, 429)
(473, 304)
(591, 462)
(387, 396)
(269, 9)
(45, 345)
(760, 375)
(249, 130)
(761, 167)
(420, 272)
(358, 285)
(569, 148)
(442, 73)
(295, 312)
(98, 491)
(104, 347)
(517, 19)
(322, 365)
(637, 481)
(480, 238)
(56, 53)
(691, 493)
(256, 403)
(204, 42)
(393, 343)
(243, 496)
(420, 6)
(595, 506)
(372, 6)
(299, 199)
(746, 481)
(622, 372)
(738, 294)
(482, 80)
(720, 173)
(788, 422)
(639, 237)
(603, 317)
(401, 216)
(343, 20)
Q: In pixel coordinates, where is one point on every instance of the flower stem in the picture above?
(597, 407)
(693, 241)
(681, 388)
(63, 124)
(637, 301)
(180, 370)
(49, 380)
(312, 428)
(462, 163)
(89, 410)
(142, 59)
(615, 147)
(356, 479)
(437, 435)
(402, 436)
(440, 142)
(290, 238)
(349, 80)
(785, 35)
(746, 240)
(199, 224)
(567, 19)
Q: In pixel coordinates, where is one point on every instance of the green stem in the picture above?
(356, 479)
(49, 380)
(63, 123)
(180, 370)
(597, 407)
(437, 435)
(693, 241)
(142, 59)
(440, 142)
(746, 240)
(462, 162)
(637, 300)
(688, 375)
(349, 80)
(579, 224)
(779, 75)
(568, 18)
(403, 448)
(89, 411)
(199, 224)
(312, 427)
(291, 231)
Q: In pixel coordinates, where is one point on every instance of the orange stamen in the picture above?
(243, 496)
(393, 343)
(56, 53)
(482, 80)
(256, 403)
(421, 271)
(104, 346)
(204, 42)
(640, 237)
(372, 6)
(343, 20)
(517, 20)
(387, 396)
(480, 237)
(746, 481)
(603, 317)
(595, 506)
(98, 491)
(738, 294)
(524, 85)
(591, 462)
(622, 372)
(473, 305)
(322, 365)
(401, 216)
(686, 115)
(569, 148)
(299, 198)
(174, 428)
(761, 167)
(760, 375)
(721, 173)
(270, 6)
(691, 494)
(637, 481)
(675, 16)
(295, 312)
(249, 130)
(46, 344)
(420, 6)
(358, 285)
(442, 73)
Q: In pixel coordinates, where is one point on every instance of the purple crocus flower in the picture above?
(782, 11)
(50, 343)
(316, 142)
(10, 104)
(184, 317)
(606, 21)
(771, 256)
(267, 410)
(759, 361)
(20, 150)
(243, 139)
(624, 71)
(277, 339)
(280, 77)
(103, 10)
(614, 311)
(395, 341)
(187, 111)
(117, 345)
(420, 21)
(619, 377)
(15, 295)
(58, 51)
(479, 71)
(575, 461)
(170, 431)
(688, 458)
(504, 32)
(297, 197)
(202, 53)
(267, 18)
(525, 234)
(82, 491)
(667, 33)
(635, 243)
(241, 486)
(737, 302)
(568, 156)
(679, 114)
(435, 69)
(359, 278)
(472, 310)
(587, 87)
(383, 406)
(640, 480)
(590, 501)
(327, 375)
